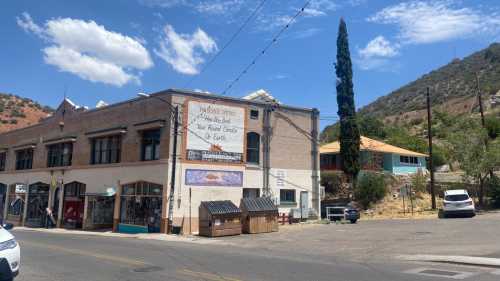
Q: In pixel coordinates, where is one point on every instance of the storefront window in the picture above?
(141, 205)
(17, 195)
(101, 210)
(38, 202)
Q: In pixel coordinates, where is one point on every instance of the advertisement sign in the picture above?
(214, 178)
(21, 188)
(216, 132)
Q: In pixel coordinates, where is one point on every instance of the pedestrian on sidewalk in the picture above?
(49, 222)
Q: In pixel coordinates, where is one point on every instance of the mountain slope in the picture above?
(17, 112)
(453, 86)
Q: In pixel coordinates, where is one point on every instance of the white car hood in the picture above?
(5, 235)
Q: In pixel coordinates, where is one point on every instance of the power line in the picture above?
(261, 53)
(238, 31)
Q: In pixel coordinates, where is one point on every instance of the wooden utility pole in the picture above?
(172, 178)
(429, 134)
(483, 123)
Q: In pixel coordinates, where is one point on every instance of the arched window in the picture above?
(253, 148)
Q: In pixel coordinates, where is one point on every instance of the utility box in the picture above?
(219, 218)
(259, 215)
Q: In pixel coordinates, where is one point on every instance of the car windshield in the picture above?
(456, 197)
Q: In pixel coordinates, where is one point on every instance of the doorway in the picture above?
(38, 201)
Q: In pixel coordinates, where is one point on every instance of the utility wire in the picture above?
(233, 37)
(261, 53)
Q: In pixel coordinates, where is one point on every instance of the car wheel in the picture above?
(354, 221)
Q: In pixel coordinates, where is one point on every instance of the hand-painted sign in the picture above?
(216, 132)
(213, 178)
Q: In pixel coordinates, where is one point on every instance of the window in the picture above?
(253, 148)
(408, 160)
(3, 157)
(328, 161)
(254, 114)
(251, 193)
(287, 196)
(60, 154)
(106, 150)
(141, 205)
(74, 189)
(150, 147)
(24, 159)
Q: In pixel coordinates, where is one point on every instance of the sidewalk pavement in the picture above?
(146, 236)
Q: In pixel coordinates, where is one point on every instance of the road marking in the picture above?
(440, 272)
(115, 259)
(206, 275)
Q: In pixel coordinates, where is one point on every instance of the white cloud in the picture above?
(219, 7)
(306, 33)
(162, 3)
(89, 51)
(378, 47)
(423, 22)
(319, 8)
(86, 67)
(184, 52)
(376, 53)
(27, 24)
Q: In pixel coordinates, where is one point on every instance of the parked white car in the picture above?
(458, 202)
(10, 254)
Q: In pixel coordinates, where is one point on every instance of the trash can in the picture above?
(259, 215)
(219, 218)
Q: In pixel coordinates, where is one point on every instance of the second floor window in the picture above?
(3, 157)
(60, 154)
(106, 150)
(150, 147)
(24, 159)
(253, 148)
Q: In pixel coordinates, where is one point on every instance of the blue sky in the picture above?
(111, 50)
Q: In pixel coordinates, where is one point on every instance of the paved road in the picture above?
(47, 256)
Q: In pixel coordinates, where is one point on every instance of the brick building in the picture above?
(112, 166)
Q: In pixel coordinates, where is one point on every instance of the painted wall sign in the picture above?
(214, 178)
(216, 132)
(21, 188)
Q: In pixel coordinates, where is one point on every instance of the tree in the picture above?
(349, 131)
(475, 155)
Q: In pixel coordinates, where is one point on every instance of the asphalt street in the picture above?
(49, 256)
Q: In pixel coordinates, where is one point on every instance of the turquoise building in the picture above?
(376, 156)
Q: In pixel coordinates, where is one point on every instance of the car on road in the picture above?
(458, 202)
(10, 254)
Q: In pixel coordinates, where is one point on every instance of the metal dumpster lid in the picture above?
(260, 204)
(221, 207)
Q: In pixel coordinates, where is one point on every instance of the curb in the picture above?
(155, 236)
(463, 260)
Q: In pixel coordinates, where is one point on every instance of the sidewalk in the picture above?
(145, 236)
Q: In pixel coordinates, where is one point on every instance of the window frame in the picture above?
(151, 138)
(409, 160)
(3, 160)
(106, 150)
(24, 159)
(254, 114)
(253, 149)
(60, 154)
(283, 194)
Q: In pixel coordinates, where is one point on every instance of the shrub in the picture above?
(370, 188)
(419, 182)
(13, 121)
(331, 181)
(493, 186)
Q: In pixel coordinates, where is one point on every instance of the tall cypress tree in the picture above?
(349, 131)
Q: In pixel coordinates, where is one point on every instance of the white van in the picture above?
(10, 256)
(458, 202)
